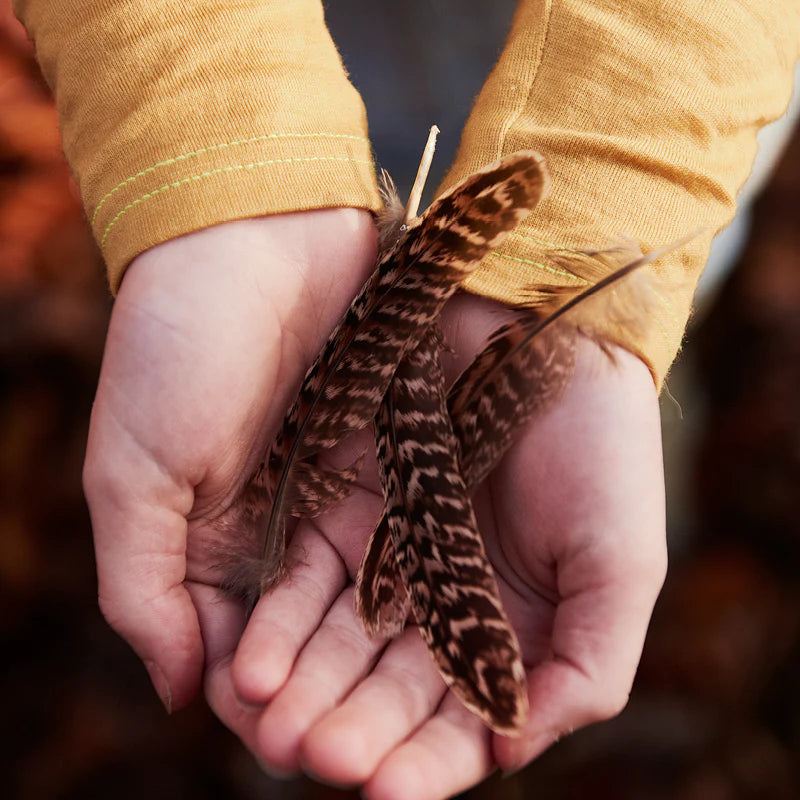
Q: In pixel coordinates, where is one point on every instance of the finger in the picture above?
(284, 620)
(221, 622)
(598, 637)
(346, 746)
(447, 755)
(138, 520)
(336, 658)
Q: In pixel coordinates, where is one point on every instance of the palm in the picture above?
(573, 523)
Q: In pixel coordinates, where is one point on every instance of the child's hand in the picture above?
(209, 338)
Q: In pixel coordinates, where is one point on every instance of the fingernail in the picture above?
(160, 684)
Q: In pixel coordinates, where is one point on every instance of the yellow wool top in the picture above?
(176, 116)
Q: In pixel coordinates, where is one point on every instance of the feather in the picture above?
(391, 219)
(522, 371)
(314, 488)
(439, 551)
(237, 557)
(532, 381)
(381, 599)
(413, 279)
(516, 375)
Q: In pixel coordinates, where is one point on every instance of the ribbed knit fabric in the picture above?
(179, 115)
(176, 116)
(647, 114)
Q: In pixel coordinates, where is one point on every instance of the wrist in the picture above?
(281, 256)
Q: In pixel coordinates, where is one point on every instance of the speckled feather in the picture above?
(485, 418)
(523, 370)
(440, 554)
(344, 386)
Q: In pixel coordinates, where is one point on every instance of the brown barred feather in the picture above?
(381, 599)
(527, 363)
(516, 376)
(440, 553)
(530, 383)
(522, 371)
(314, 488)
(413, 279)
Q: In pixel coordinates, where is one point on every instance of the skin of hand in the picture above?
(573, 520)
(209, 337)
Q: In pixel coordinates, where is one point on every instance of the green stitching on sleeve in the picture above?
(544, 267)
(210, 173)
(214, 147)
(549, 245)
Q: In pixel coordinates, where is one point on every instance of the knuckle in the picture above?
(121, 605)
(346, 637)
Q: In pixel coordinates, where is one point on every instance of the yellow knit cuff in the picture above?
(176, 116)
(526, 262)
(272, 173)
(647, 116)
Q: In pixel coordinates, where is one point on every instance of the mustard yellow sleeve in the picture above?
(178, 115)
(647, 114)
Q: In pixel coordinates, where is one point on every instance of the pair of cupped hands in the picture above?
(210, 336)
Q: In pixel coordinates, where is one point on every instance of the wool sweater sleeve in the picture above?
(647, 114)
(179, 115)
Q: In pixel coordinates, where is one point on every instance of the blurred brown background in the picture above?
(715, 713)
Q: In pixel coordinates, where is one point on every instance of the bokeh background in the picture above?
(715, 712)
